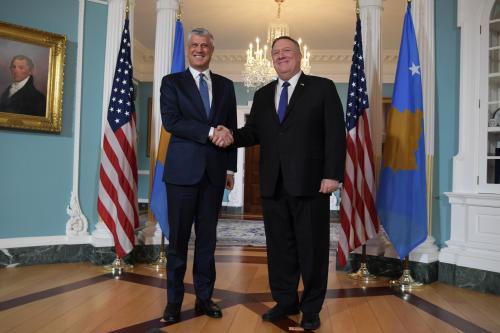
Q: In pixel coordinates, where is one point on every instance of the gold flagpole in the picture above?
(363, 274)
(179, 12)
(118, 266)
(406, 281)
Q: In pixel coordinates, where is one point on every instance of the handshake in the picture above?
(222, 137)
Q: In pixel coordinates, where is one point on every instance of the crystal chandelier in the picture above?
(258, 68)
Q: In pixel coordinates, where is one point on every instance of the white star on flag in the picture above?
(414, 69)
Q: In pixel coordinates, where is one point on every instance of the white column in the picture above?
(370, 15)
(77, 225)
(423, 20)
(101, 236)
(166, 15)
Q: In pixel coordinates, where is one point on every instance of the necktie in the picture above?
(204, 94)
(283, 101)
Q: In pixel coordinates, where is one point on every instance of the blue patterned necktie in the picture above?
(204, 94)
(283, 103)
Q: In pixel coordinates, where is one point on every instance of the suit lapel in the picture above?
(270, 93)
(194, 92)
(217, 94)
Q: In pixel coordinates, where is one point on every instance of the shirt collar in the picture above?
(20, 84)
(293, 80)
(195, 73)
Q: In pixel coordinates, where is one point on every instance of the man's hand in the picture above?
(222, 137)
(329, 186)
(229, 182)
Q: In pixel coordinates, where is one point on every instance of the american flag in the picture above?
(117, 201)
(358, 215)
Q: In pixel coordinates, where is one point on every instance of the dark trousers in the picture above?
(187, 204)
(298, 239)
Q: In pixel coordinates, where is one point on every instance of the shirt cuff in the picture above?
(229, 172)
(211, 132)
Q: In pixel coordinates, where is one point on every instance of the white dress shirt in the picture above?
(16, 86)
(196, 76)
(293, 83)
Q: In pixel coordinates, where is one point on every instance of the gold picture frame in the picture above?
(43, 54)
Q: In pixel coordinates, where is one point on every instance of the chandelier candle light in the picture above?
(258, 68)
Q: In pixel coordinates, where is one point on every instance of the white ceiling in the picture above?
(322, 24)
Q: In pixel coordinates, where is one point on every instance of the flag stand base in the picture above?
(160, 264)
(118, 267)
(405, 282)
(363, 274)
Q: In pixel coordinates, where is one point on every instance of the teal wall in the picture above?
(447, 108)
(92, 89)
(36, 168)
(145, 91)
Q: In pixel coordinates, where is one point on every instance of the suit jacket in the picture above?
(308, 146)
(190, 153)
(27, 100)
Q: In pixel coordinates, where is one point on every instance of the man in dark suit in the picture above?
(193, 103)
(21, 96)
(299, 124)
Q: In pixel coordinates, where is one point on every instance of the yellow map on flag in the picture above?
(401, 143)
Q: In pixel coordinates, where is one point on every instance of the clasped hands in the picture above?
(222, 137)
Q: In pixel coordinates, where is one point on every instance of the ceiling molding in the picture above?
(333, 64)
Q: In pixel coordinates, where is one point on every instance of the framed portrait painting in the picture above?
(31, 78)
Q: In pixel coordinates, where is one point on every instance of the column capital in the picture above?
(371, 3)
(167, 4)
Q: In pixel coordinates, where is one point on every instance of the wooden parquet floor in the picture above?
(84, 298)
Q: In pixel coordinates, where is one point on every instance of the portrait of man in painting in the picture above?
(31, 78)
(23, 78)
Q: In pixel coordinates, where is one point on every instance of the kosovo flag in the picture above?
(401, 198)
(159, 190)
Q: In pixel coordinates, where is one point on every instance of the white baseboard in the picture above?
(8, 243)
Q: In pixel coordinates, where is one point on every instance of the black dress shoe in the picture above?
(310, 321)
(277, 313)
(172, 313)
(208, 308)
